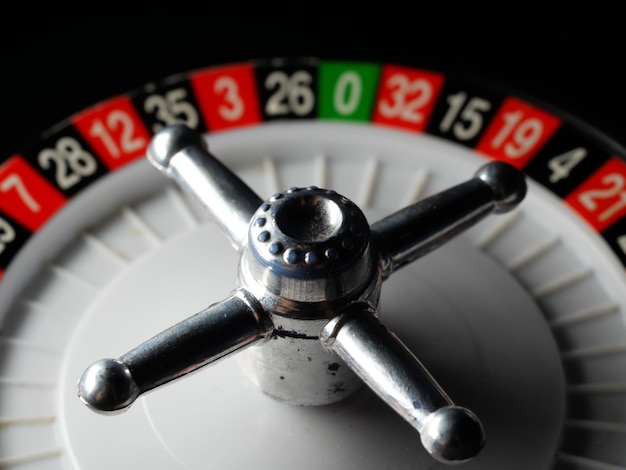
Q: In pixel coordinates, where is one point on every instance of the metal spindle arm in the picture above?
(414, 231)
(112, 385)
(449, 433)
(226, 199)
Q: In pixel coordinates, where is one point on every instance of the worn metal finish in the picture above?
(309, 281)
(309, 254)
(387, 366)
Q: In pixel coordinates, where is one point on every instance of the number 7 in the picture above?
(13, 181)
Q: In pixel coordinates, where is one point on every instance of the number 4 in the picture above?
(562, 165)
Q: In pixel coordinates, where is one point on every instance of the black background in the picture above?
(56, 59)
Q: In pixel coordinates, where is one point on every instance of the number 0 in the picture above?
(347, 93)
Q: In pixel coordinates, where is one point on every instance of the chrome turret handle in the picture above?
(309, 280)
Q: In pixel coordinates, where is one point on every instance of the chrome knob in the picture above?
(310, 274)
(309, 245)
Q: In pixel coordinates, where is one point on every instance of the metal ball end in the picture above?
(452, 435)
(107, 386)
(169, 141)
(507, 183)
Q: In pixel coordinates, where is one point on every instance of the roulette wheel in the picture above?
(521, 319)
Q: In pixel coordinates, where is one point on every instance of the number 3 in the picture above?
(228, 88)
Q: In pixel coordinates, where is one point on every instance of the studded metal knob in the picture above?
(309, 245)
(310, 274)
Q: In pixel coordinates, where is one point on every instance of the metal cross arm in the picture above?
(309, 280)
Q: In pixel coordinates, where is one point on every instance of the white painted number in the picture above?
(347, 93)
(470, 114)
(562, 165)
(171, 108)
(228, 88)
(402, 106)
(13, 181)
(7, 234)
(293, 94)
(525, 133)
(71, 161)
(616, 185)
(117, 120)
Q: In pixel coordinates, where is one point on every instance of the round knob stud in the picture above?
(107, 386)
(169, 142)
(506, 182)
(452, 434)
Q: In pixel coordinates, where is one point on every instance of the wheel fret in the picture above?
(598, 388)
(42, 309)
(72, 278)
(30, 457)
(595, 351)
(104, 249)
(320, 170)
(606, 426)
(10, 381)
(587, 463)
(18, 342)
(498, 229)
(182, 207)
(418, 186)
(26, 420)
(272, 179)
(567, 280)
(369, 179)
(142, 226)
(532, 253)
(584, 315)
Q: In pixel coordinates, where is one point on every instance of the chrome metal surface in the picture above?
(386, 365)
(229, 202)
(111, 385)
(309, 245)
(308, 255)
(412, 232)
(309, 281)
